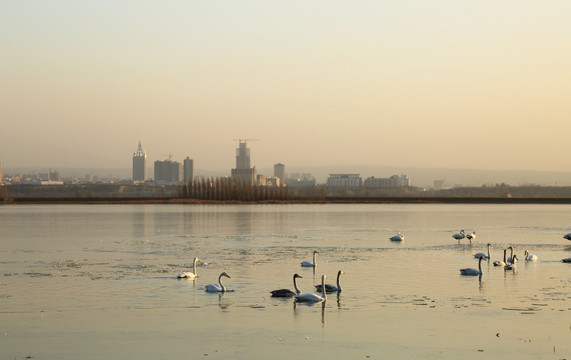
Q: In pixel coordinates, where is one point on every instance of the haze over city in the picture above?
(440, 84)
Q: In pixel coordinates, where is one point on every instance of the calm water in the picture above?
(99, 281)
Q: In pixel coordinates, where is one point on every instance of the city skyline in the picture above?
(443, 84)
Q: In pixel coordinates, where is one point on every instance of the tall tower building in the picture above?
(242, 156)
(279, 172)
(139, 164)
(188, 169)
(243, 172)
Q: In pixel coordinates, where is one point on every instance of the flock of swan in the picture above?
(323, 288)
(508, 263)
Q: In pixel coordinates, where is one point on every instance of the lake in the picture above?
(100, 282)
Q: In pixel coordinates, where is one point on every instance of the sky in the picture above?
(471, 84)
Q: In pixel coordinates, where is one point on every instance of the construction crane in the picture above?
(169, 155)
(245, 140)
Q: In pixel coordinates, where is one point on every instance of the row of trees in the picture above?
(228, 189)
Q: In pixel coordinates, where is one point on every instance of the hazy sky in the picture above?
(457, 84)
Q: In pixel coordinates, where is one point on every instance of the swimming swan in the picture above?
(217, 287)
(512, 266)
(479, 255)
(567, 236)
(310, 263)
(471, 271)
(287, 292)
(397, 237)
(331, 288)
(311, 297)
(188, 274)
(529, 257)
(499, 262)
(459, 236)
(471, 236)
(566, 260)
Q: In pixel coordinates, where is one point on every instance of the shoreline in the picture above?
(327, 200)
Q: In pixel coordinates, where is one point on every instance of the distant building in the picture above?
(243, 171)
(393, 181)
(49, 176)
(297, 180)
(188, 165)
(261, 180)
(438, 184)
(273, 181)
(168, 172)
(246, 176)
(344, 180)
(139, 164)
(279, 172)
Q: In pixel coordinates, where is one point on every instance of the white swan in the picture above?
(331, 288)
(567, 236)
(310, 263)
(311, 297)
(500, 262)
(397, 237)
(471, 271)
(217, 287)
(529, 257)
(479, 255)
(512, 265)
(471, 236)
(459, 236)
(188, 274)
(287, 292)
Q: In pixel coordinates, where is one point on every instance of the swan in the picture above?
(287, 292)
(217, 287)
(567, 236)
(188, 274)
(397, 237)
(566, 260)
(310, 297)
(459, 236)
(331, 288)
(529, 257)
(512, 266)
(499, 262)
(310, 263)
(471, 236)
(471, 271)
(479, 255)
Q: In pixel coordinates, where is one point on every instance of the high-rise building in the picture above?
(139, 164)
(188, 169)
(243, 172)
(242, 156)
(279, 172)
(168, 172)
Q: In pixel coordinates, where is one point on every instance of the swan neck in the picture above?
(323, 293)
(295, 286)
(194, 266)
(220, 282)
(338, 283)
